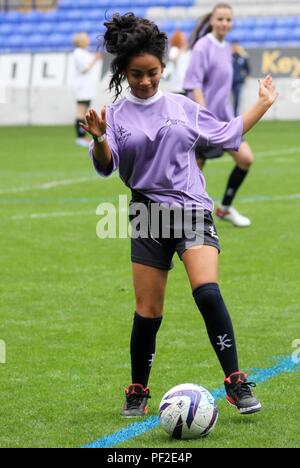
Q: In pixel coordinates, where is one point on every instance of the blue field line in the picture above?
(283, 364)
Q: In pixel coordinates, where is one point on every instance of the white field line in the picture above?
(67, 214)
(64, 182)
(266, 154)
(47, 185)
(57, 214)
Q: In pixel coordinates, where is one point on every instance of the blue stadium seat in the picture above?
(65, 4)
(58, 40)
(45, 28)
(85, 26)
(71, 15)
(26, 28)
(16, 41)
(295, 34)
(35, 40)
(129, 4)
(52, 16)
(66, 27)
(245, 23)
(184, 25)
(184, 3)
(13, 17)
(94, 14)
(265, 22)
(258, 34)
(287, 21)
(7, 29)
(238, 35)
(33, 17)
(280, 34)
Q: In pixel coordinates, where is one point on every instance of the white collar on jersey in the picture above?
(216, 42)
(144, 102)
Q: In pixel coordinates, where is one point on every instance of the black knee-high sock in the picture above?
(80, 132)
(219, 326)
(234, 182)
(142, 347)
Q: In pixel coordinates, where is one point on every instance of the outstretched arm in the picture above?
(267, 96)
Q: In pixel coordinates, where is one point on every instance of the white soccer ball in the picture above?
(188, 411)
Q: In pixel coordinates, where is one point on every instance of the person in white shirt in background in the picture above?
(179, 57)
(84, 82)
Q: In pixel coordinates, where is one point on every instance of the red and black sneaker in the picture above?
(239, 393)
(136, 401)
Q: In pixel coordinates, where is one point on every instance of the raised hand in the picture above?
(267, 90)
(95, 123)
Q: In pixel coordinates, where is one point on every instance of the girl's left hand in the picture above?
(267, 90)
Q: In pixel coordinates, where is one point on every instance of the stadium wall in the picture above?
(36, 89)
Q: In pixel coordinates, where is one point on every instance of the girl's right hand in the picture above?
(95, 124)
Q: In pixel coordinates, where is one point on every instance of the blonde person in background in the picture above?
(179, 56)
(84, 82)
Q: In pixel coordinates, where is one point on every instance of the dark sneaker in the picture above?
(136, 401)
(239, 393)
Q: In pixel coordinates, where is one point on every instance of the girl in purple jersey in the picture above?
(150, 137)
(208, 82)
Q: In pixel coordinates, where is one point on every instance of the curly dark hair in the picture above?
(127, 36)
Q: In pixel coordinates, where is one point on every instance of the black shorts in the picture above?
(209, 152)
(156, 247)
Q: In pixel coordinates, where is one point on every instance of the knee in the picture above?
(148, 309)
(206, 294)
(246, 161)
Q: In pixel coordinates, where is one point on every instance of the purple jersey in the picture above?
(211, 71)
(153, 145)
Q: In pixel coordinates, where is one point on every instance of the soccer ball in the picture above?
(188, 411)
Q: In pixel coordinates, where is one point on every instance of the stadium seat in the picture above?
(246, 23)
(288, 21)
(45, 28)
(33, 17)
(258, 34)
(13, 17)
(26, 28)
(239, 35)
(58, 40)
(295, 34)
(95, 14)
(67, 27)
(35, 40)
(52, 16)
(16, 40)
(7, 29)
(71, 15)
(281, 34)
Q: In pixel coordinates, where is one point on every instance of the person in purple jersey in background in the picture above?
(150, 136)
(208, 82)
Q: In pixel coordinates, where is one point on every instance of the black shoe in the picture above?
(239, 393)
(136, 401)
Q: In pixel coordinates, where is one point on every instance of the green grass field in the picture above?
(67, 300)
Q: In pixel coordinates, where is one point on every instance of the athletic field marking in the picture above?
(64, 182)
(265, 154)
(284, 364)
(58, 214)
(271, 198)
(48, 185)
(67, 214)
